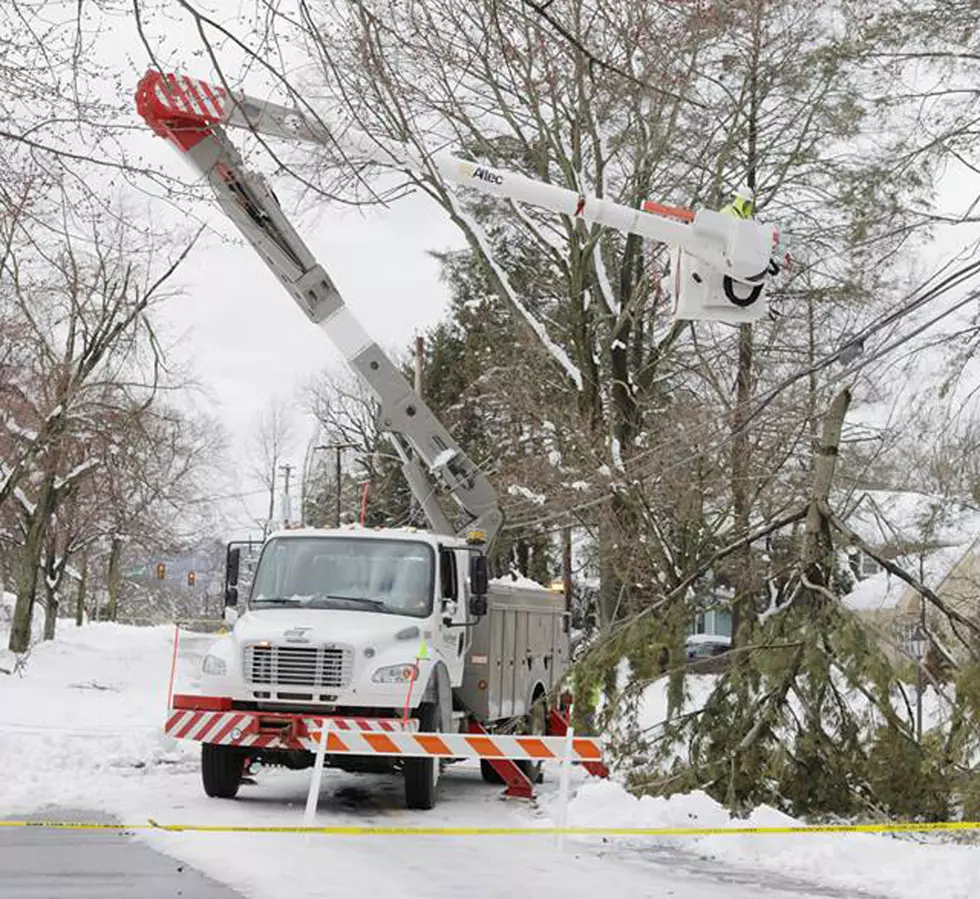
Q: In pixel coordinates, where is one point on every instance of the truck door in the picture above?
(453, 640)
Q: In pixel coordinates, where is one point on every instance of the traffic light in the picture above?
(161, 571)
(191, 578)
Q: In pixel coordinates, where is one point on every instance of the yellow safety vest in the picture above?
(739, 207)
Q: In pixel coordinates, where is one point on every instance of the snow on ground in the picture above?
(882, 864)
(81, 729)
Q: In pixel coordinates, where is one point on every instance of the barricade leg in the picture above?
(313, 797)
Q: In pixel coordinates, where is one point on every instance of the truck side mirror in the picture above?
(479, 579)
(231, 597)
(479, 584)
(231, 568)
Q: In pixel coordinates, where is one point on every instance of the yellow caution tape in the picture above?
(352, 830)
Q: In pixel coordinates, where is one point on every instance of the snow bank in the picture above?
(879, 864)
(651, 711)
(89, 705)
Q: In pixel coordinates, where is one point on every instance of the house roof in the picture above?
(885, 591)
(884, 517)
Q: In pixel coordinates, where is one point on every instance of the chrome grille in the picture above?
(301, 666)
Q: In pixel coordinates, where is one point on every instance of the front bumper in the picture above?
(209, 720)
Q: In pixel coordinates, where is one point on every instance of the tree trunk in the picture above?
(30, 561)
(523, 552)
(112, 580)
(566, 565)
(741, 493)
(80, 595)
(50, 593)
(537, 566)
(744, 582)
(610, 607)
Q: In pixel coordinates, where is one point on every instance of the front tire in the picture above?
(422, 775)
(221, 770)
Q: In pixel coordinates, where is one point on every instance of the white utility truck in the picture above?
(389, 648)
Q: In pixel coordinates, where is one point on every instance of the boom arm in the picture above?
(737, 249)
(250, 204)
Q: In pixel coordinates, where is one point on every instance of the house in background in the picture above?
(709, 635)
(934, 539)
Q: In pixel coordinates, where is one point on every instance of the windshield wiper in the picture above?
(375, 603)
(279, 600)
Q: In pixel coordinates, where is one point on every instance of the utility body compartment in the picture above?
(521, 642)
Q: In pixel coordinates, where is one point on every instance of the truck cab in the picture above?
(344, 621)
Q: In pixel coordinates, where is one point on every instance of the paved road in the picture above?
(77, 864)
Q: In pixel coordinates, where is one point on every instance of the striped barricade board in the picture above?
(367, 736)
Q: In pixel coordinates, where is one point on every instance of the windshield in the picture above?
(389, 576)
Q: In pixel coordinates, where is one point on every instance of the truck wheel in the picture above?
(489, 773)
(535, 724)
(422, 775)
(221, 770)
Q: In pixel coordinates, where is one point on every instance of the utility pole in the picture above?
(419, 351)
(337, 448)
(413, 507)
(286, 469)
(816, 535)
(920, 656)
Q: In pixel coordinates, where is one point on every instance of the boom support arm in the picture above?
(247, 200)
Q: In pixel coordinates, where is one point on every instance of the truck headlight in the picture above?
(395, 674)
(214, 666)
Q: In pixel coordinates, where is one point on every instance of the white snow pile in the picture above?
(517, 581)
(878, 864)
(527, 493)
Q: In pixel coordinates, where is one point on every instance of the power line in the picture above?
(941, 288)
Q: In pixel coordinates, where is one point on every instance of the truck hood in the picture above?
(328, 626)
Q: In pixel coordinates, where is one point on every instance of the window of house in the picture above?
(723, 623)
(867, 566)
